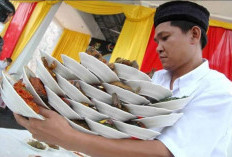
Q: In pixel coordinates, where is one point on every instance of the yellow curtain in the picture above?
(16, 4)
(40, 11)
(217, 23)
(135, 33)
(71, 43)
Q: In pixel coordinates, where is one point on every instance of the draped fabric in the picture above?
(71, 43)
(217, 23)
(16, 28)
(31, 47)
(214, 35)
(151, 58)
(40, 11)
(134, 36)
(220, 53)
(16, 4)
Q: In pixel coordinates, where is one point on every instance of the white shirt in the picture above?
(204, 129)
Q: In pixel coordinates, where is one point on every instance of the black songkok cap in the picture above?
(182, 11)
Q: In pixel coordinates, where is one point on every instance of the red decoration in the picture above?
(15, 28)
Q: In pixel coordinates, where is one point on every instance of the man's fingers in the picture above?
(22, 121)
(45, 112)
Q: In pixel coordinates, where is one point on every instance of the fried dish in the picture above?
(127, 62)
(20, 88)
(109, 123)
(39, 88)
(81, 123)
(136, 123)
(117, 103)
(50, 68)
(76, 84)
(93, 52)
(36, 144)
(122, 85)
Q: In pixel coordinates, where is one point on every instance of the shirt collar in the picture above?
(188, 82)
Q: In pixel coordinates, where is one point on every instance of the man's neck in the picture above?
(183, 70)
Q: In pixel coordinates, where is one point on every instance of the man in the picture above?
(180, 33)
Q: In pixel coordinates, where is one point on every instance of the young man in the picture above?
(204, 128)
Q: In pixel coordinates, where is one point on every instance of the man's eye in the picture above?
(164, 38)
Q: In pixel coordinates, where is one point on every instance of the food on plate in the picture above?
(108, 122)
(50, 67)
(136, 123)
(89, 105)
(127, 62)
(117, 103)
(152, 100)
(36, 144)
(66, 100)
(172, 98)
(53, 146)
(93, 52)
(81, 123)
(76, 84)
(124, 86)
(39, 88)
(20, 88)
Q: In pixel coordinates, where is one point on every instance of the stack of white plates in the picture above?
(94, 78)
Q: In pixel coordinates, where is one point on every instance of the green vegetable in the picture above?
(171, 98)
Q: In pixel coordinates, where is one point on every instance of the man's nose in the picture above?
(159, 48)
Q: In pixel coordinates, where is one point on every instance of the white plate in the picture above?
(79, 70)
(80, 128)
(27, 73)
(60, 69)
(47, 79)
(13, 101)
(135, 131)
(125, 95)
(105, 130)
(173, 104)
(86, 111)
(60, 106)
(146, 111)
(71, 91)
(34, 148)
(113, 112)
(126, 72)
(161, 120)
(93, 92)
(149, 89)
(100, 69)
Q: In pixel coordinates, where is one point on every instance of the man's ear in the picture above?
(196, 34)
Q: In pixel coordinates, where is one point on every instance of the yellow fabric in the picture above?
(71, 43)
(97, 7)
(135, 33)
(32, 1)
(217, 23)
(16, 4)
(40, 11)
(132, 43)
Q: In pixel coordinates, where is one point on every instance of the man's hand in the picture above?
(50, 130)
